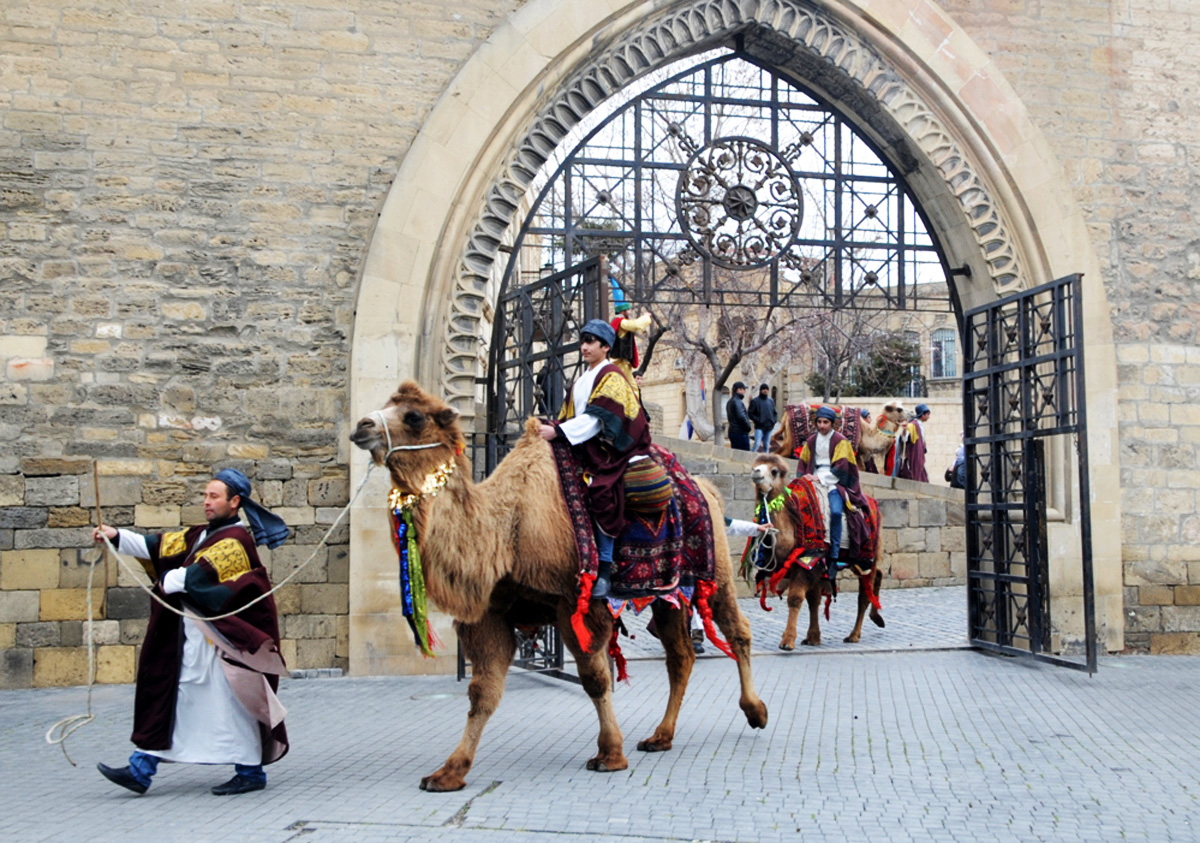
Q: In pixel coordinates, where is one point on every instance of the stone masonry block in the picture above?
(287, 558)
(53, 467)
(933, 539)
(52, 491)
(339, 564)
(19, 606)
(931, 513)
(153, 517)
(1180, 618)
(106, 632)
(12, 490)
(69, 516)
(274, 470)
(63, 604)
(126, 603)
(904, 566)
(1175, 644)
(23, 517)
(310, 626)
(956, 514)
(287, 599)
(70, 634)
(58, 537)
(329, 491)
(16, 669)
(314, 652)
(8, 635)
(58, 666)
(114, 491)
(910, 540)
(115, 664)
(23, 570)
(1156, 595)
(893, 513)
(331, 599)
(133, 630)
(41, 634)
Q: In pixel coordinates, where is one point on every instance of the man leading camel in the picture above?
(607, 427)
(829, 457)
(206, 689)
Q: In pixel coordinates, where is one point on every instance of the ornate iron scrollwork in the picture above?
(739, 203)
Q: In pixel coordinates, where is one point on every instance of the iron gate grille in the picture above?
(1023, 386)
(534, 357)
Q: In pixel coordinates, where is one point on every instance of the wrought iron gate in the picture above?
(1023, 388)
(534, 357)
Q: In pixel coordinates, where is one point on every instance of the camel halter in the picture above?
(378, 416)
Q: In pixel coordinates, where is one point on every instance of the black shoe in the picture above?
(601, 587)
(697, 648)
(122, 776)
(238, 784)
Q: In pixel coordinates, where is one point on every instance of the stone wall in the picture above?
(186, 199)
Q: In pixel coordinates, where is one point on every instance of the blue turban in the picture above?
(922, 409)
(824, 412)
(267, 527)
(601, 330)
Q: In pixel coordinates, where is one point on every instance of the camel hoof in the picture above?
(653, 745)
(877, 619)
(809, 642)
(442, 783)
(756, 714)
(851, 639)
(602, 765)
(788, 647)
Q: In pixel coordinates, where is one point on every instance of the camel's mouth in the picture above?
(761, 478)
(368, 437)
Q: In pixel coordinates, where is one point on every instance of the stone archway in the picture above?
(979, 166)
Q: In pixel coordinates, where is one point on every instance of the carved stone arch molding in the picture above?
(795, 38)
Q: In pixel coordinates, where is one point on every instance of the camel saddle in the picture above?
(666, 543)
(802, 420)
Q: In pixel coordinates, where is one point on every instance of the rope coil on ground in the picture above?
(63, 729)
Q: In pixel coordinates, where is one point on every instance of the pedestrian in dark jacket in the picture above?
(739, 421)
(764, 416)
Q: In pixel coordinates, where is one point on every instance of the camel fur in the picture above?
(875, 442)
(501, 554)
(770, 477)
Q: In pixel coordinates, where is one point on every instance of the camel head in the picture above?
(893, 415)
(769, 475)
(412, 434)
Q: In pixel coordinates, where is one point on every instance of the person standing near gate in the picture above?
(206, 689)
(608, 429)
(738, 419)
(909, 463)
(764, 416)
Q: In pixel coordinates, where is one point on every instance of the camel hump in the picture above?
(532, 425)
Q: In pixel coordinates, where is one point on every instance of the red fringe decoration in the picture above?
(704, 590)
(869, 589)
(582, 634)
(614, 651)
(762, 596)
(828, 600)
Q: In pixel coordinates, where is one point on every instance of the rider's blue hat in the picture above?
(601, 330)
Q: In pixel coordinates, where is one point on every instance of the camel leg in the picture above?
(876, 616)
(672, 627)
(736, 629)
(489, 645)
(795, 600)
(596, 679)
(813, 596)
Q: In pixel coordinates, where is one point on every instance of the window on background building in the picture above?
(943, 362)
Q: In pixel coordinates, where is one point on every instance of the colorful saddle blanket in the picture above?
(656, 552)
(802, 420)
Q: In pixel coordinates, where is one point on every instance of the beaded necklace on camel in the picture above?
(413, 596)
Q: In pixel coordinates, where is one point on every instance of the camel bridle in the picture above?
(378, 416)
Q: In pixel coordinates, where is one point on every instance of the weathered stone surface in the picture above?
(23, 517)
(16, 668)
(125, 603)
(55, 538)
(42, 634)
(19, 606)
(29, 569)
(37, 467)
(329, 491)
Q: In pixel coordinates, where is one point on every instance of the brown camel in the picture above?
(501, 554)
(874, 441)
(770, 474)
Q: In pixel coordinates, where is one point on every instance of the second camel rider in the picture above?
(607, 428)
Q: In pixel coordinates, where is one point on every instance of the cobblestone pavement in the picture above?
(906, 743)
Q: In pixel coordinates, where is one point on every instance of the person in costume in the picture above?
(607, 428)
(829, 457)
(206, 689)
(909, 450)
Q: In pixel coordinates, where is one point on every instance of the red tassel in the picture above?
(614, 650)
(704, 590)
(582, 634)
(828, 600)
(869, 589)
(762, 596)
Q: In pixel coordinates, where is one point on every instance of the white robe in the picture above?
(211, 725)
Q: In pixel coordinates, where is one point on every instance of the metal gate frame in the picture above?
(533, 358)
(1023, 384)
